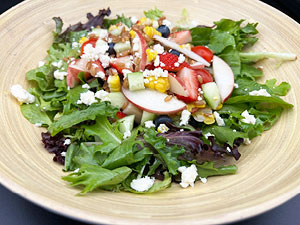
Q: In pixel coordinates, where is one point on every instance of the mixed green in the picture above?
(102, 146)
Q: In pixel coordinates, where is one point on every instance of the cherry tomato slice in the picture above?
(205, 75)
(204, 52)
(91, 41)
(120, 115)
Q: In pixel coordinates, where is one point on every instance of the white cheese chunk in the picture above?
(185, 116)
(250, 119)
(261, 92)
(87, 98)
(142, 184)
(149, 124)
(219, 119)
(188, 175)
(21, 94)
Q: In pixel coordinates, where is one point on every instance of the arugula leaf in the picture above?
(123, 154)
(34, 115)
(250, 71)
(43, 76)
(219, 40)
(281, 90)
(104, 130)
(92, 177)
(168, 153)
(208, 169)
(153, 14)
(72, 151)
(85, 156)
(120, 19)
(231, 56)
(273, 101)
(201, 35)
(224, 134)
(69, 120)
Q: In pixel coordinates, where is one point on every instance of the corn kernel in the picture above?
(150, 31)
(161, 84)
(114, 83)
(219, 106)
(209, 119)
(191, 106)
(132, 33)
(83, 39)
(151, 54)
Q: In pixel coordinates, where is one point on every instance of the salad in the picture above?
(138, 104)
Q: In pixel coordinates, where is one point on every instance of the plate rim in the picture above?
(80, 215)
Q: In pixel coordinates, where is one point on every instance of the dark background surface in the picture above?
(15, 210)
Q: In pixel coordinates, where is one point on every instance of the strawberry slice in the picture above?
(181, 37)
(74, 68)
(170, 62)
(122, 63)
(191, 84)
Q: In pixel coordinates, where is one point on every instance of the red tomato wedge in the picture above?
(204, 52)
(205, 75)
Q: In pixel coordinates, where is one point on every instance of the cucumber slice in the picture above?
(116, 30)
(147, 116)
(122, 46)
(132, 110)
(211, 94)
(126, 123)
(136, 81)
(117, 99)
(98, 31)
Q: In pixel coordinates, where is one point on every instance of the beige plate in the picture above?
(268, 169)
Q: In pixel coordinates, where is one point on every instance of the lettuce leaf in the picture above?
(92, 177)
(120, 19)
(153, 14)
(208, 169)
(69, 120)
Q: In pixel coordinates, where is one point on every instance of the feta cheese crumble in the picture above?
(208, 135)
(21, 94)
(86, 86)
(133, 19)
(261, 92)
(102, 95)
(236, 85)
(100, 74)
(162, 128)
(67, 141)
(38, 124)
(104, 59)
(142, 184)
(41, 63)
(176, 64)
(185, 116)
(247, 141)
(156, 61)
(57, 64)
(219, 119)
(87, 98)
(59, 75)
(203, 180)
(149, 124)
(188, 175)
(181, 58)
(250, 119)
(158, 48)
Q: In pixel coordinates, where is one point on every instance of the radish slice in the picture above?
(175, 46)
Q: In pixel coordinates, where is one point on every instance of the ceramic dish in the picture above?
(268, 172)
